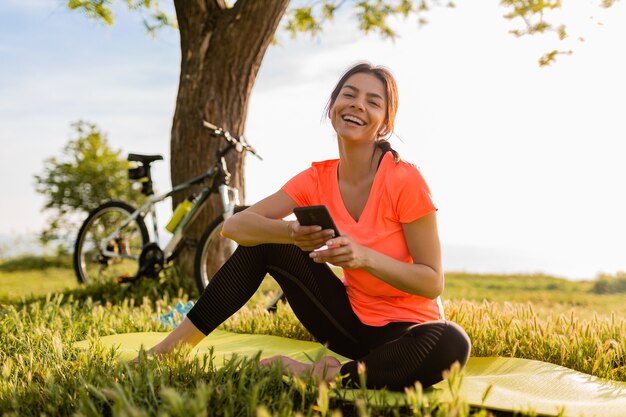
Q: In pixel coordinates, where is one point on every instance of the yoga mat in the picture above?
(225, 344)
(516, 384)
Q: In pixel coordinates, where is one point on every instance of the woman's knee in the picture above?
(447, 339)
(459, 342)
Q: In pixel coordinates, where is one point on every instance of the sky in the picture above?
(526, 164)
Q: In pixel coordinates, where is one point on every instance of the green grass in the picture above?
(36, 283)
(548, 295)
(534, 317)
(34, 276)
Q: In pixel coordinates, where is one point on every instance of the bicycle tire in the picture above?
(212, 251)
(90, 265)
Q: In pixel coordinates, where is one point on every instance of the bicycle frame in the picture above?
(229, 197)
(218, 183)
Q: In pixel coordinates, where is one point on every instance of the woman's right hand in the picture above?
(308, 238)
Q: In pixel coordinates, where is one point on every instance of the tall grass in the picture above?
(594, 345)
(41, 373)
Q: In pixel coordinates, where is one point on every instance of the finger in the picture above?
(309, 246)
(337, 261)
(319, 239)
(342, 261)
(334, 257)
(335, 248)
(341, 240)
(318, 242)
(331, 254)
(305, 230)
(316, 239)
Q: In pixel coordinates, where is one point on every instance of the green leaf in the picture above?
(328, 10)
(101, 10)
(302, 19)
(94, 9)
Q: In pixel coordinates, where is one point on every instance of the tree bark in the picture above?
(221, 52)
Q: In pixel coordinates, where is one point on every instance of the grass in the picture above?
(534, 317)
(28, 276)
(35, 283)
(548, 295)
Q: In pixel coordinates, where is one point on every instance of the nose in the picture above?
(358, 103)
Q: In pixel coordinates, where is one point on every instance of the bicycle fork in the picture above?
(230, 200)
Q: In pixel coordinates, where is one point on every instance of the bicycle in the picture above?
(114, 244)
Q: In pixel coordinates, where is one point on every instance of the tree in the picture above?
(222, 47)
(87, 173)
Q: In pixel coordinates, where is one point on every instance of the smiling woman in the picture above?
(386, 314)
(377, 98)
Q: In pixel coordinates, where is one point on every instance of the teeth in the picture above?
(354, 119)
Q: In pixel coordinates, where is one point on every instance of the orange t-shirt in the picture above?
(399, 195)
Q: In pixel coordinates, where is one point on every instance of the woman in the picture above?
(386, 313)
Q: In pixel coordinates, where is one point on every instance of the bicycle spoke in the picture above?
(107, 251)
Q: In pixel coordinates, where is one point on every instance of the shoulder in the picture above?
(321, 170)
(316, 172)
(326, 165)
(403, 173)
(306, 187)
(409, 193)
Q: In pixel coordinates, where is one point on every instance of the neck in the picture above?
(358, 162)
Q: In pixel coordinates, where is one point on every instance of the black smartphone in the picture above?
(315, 216)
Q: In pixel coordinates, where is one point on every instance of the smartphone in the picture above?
(315, 216)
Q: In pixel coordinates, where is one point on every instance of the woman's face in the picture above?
(359, 111)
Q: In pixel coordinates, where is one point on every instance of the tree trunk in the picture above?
(221, 52)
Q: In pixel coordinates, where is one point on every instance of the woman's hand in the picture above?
(342, 251)
(308, 238)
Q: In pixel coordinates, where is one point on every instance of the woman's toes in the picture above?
(327, 368)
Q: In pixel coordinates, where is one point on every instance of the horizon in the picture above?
(524, 162)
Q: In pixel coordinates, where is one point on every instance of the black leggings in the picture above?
(395, 355)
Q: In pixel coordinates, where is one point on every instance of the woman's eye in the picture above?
(349, 95)
(374, 103)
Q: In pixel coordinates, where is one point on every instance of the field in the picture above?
(43, 311)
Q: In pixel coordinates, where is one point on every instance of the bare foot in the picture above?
(326, 369)
(185, 334)
(150, 353)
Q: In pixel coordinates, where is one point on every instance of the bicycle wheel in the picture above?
(91, 265)
(212, 251)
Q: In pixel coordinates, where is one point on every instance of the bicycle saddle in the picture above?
(144, 159)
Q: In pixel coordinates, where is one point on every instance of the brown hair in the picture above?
(391, 92)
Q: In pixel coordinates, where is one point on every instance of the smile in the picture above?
(353, 119)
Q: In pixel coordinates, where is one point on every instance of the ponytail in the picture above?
(385, 146)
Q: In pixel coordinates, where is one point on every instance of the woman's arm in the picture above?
(423, 277)
(262, 223)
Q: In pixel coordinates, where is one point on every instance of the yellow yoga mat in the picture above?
(516, 384)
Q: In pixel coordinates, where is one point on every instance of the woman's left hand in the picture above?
(342, 251)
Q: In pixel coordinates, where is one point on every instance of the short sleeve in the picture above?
(412, 195)
(299, 187)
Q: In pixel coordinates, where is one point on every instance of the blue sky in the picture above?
(525, 163)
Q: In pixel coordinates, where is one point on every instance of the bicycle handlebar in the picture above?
(239, 143)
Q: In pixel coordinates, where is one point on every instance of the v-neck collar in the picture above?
(375, 184)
